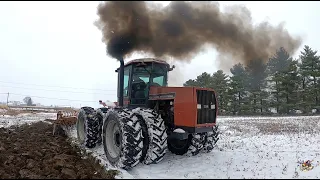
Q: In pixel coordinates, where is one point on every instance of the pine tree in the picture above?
(276, 68)
(190, 83)
(310, 72)
(204, 80)
(290, 83)
(220, 83)
(256, 70)
(238, 89)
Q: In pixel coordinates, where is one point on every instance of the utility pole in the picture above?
(8, 99)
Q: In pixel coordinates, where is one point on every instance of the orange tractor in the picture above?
(150, 117)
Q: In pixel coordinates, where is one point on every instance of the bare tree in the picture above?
(28, 101)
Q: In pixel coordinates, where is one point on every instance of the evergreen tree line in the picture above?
(282, 86)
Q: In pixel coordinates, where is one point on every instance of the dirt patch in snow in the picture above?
(31, 151)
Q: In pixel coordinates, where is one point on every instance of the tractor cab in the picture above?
(139, 76)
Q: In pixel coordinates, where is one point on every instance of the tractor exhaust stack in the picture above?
(121, 76)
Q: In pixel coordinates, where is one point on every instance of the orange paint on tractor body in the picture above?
(185, 104)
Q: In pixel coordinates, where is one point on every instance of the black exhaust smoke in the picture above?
(182, 29)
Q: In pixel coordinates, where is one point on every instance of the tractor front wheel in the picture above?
(122, 139)
(193, 145)
(154, 135)
(179, 147)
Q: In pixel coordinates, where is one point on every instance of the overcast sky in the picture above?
(47, 46)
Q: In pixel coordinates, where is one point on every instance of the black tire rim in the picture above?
(81, 128)
(113, 139)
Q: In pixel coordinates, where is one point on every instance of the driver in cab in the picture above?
(138, 88)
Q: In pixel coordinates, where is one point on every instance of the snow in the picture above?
(249, 147)
(109, 103)
(179, 130)
(24, 118)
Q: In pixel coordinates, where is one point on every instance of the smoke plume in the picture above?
(183, 29)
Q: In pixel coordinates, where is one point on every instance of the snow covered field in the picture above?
(7, 120)
(249, 147)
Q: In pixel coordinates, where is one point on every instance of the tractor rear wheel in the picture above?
(197, 143)
(122, 139)
(87, 127)
(212, 139)
(101, 114)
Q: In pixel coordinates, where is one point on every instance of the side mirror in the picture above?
(172, 67)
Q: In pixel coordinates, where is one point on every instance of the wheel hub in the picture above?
(117, 138)
(81, 129)
(113, 138)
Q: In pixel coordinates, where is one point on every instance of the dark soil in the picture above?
(31, 151)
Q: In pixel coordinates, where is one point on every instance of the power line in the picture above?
(49, 97)
(55, 90)
(55, 86)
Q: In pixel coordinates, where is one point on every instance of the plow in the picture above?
(149, 119)
(64, 119)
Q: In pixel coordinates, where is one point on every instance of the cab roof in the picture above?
(146, 60)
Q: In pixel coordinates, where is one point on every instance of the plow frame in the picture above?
(65, 118)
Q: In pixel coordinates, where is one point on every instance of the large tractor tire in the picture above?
(193, 144)
(122, 139)
(154, 133)
(88, 124)
(101, 114)
(197, 143)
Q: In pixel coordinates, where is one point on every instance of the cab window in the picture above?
(126, 82)
(159, 80)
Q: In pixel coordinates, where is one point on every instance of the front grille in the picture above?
(206, 107)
